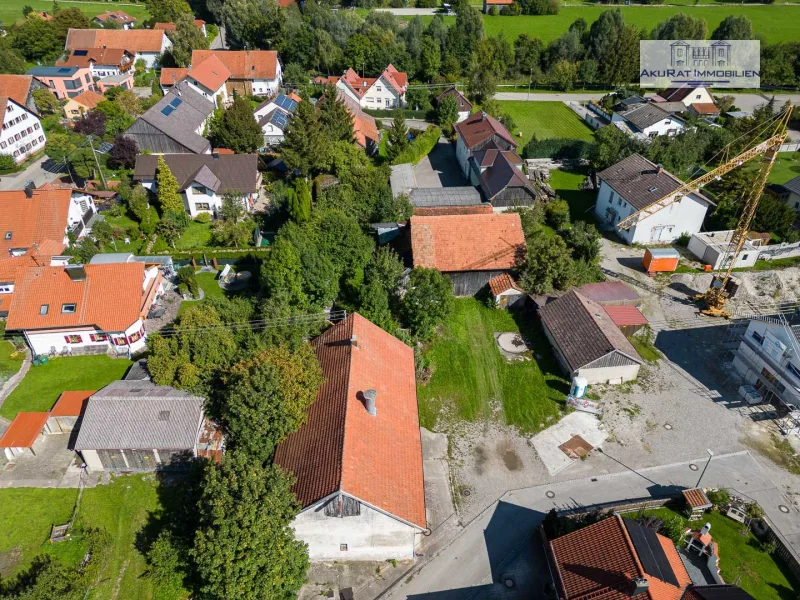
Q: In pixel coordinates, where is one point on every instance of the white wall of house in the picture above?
(268, 87)
(612, 375)
(22, 134)
(663, 227)
(669, 126)
(791, 199)
(379, 96)
(220, 94)
(713, 254)
(372, 535)
(133, 339)
(699, 96)
(199, 199)
(462, 155)
(78, 206)
(767, 352)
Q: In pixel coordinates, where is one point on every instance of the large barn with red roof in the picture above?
(358, 458)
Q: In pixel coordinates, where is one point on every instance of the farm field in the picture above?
(468, 373)
(770, 23)
(125, 508)
(11, 10)
(545, 120)
(42, 385)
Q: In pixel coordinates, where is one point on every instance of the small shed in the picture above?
(22, 434)
(66, 411)
(660, 260)
(505, 292)
(611, 293)
(628, 318)
(697, 501)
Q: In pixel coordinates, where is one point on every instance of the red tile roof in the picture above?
(172, 26)
(172, 75)
(479, 127)
(600, 561)
(211, 73)
(24, 430)
(490, 2)
(502, 283)
(33, 220)
(705, 108)
(133, 40)
(467, 242)
(98, 56)
(625, 315)
(89, 99)
(377, 459)
(696, 498)
(364, 125)
(361, 85)
(109, 298)
(16, 87)
(243, 64)
(71, 404)
(115, 16)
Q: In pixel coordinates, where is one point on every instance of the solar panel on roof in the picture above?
(176, 102)
(81, 52)
(64, 70)
(279, 119)
(651, 554)
(167, 110)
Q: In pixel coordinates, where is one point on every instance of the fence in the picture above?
(782, 250)
(789, 147)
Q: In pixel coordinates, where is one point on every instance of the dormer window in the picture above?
(68, 308)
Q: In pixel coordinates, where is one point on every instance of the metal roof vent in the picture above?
(640, 586)
(370, 396)
(163, 415)
(75, 272)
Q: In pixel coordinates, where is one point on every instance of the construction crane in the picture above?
(717, 294)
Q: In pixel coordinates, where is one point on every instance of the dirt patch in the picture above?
(9, 560)
(511, 459)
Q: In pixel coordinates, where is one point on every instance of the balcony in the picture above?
(791, 392)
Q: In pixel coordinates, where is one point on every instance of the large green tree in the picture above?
(681, 27)
(186, 38)
(168, 196)
(245, 547)
(428, 301)
(334, 117)
(548, 265)
(167, 11)
(734, 28)
(237, 129)
(305, 146)
(398, 136)
(282, 272)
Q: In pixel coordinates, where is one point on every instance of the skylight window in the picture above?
(8, 235)
(68, 308)
(44, 309)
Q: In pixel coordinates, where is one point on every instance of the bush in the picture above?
(186, 276)
(203, 218)
(420, 147)
(683, 239)
(719, 498)
(133, 231)
(183, 289)
(556, 148)
(7, 162)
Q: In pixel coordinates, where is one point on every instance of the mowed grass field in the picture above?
(469, 376)
(771, 23)
(786, 167)
(11, 10)
(545, 120)
(127, 509)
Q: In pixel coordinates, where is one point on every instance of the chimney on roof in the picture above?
(483, 115)
(640, 586)
(354, 341)
(659, 168)
(370, 396)
(29, 189)
(706, 528)
(75, 272)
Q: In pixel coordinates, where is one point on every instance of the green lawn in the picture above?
(743, 560)
(770, 23)
(42, 386)
(567, 184)
(208, 283)
(545, 120)
(196, 235)
(469, 374)
(11, 10)
(8, 366)
(123, 508)
(786, 167)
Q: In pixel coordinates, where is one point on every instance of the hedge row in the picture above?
(557, 148)
(408, 114)
(420, 147)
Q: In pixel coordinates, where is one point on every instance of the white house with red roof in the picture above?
(115, 18)
(358, 458)
(209, 78)
(84, 309)
(480, 131)
(252, 72)
(22, 134)
(386, 91)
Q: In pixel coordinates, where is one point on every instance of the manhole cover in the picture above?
(783, 509)
(550, 494)
(694, 467)
(465, 492)
(508, 582)
(667, 426)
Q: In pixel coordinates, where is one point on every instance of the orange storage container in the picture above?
(660, 260)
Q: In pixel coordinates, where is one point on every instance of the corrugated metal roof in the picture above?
(453, 196)
(664, 253)
(140, 414)
(609, 291)
(625, 315)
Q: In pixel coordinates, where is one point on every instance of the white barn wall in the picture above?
(611, 375)
(371, 535)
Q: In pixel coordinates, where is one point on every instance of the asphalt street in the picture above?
(475, 563)
(36, 172)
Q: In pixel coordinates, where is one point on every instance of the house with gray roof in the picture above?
(174, 124)
(634, 184)
(498, 174)
(204, 179)
(587, 342)
(140, 426)
(788, 192)
(644, 121)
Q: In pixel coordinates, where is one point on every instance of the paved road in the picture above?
(487, 548)
(218, 43)
(36, 172)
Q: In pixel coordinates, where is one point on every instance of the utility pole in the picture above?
(530, 82)
(97, 162)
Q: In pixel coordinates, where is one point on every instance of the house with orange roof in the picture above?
(252, 72)
(357, 459)
(115, 18)
(78, 106)
(85, 309)
(201, 25)
(25, 430)
(208, 78)
(471, 249)
(67, 410)
(102, 62)
(616, 559)
(145, 44)
(386, 91)
(20, 88)
(22, 135)
(365, 128)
